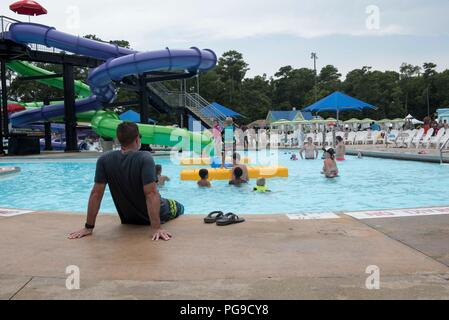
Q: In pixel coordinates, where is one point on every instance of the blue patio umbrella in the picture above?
(133, 116)
(338, 102)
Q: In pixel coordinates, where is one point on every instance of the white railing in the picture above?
(443, 150)
(192, 101)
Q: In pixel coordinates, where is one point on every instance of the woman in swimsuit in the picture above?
(330, 169)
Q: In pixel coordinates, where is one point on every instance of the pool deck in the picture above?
(411, 154)
(267, 257)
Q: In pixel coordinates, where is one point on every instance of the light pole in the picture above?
(314, 56)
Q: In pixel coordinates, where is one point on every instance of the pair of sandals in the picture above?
(222, 219)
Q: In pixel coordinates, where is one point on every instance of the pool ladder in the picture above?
(443, 150)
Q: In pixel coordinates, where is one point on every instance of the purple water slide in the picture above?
(120, 62)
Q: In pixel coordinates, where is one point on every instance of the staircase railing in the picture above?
(192, 101)
(443, 150)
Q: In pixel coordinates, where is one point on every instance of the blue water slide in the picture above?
(120, 63)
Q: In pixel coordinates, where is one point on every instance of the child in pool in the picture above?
(341, 149)
(261, 186)
(204, 182)
(160, 178)
(294, 157)
(237, 180)
(330, 169)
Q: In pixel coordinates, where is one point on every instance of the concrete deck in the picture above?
(410, 154)
(267, 257)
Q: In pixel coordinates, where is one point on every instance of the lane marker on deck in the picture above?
(379, 214)
(13, 212)
(313, 216)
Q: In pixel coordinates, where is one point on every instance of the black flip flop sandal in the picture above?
(228, 219)
(213, 216)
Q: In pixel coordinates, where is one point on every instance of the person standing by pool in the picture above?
(311, 151)
(216, 133)
(229, 141)
(131, 176)
(341, 149)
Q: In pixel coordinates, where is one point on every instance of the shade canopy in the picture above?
(28, 8)
(353, 120)
(215, 110)
(338, 102)
(258, 124)
(133, 116)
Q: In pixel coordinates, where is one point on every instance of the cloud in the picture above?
(199, 20)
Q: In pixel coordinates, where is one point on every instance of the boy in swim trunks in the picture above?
(310, 149)
(237, 177)
(204, 182)
(341, 149)
(161, 179)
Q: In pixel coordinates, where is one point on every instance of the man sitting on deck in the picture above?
(131, 176)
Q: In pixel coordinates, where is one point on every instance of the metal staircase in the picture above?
(197, 106)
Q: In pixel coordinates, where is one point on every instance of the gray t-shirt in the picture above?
(126, 174)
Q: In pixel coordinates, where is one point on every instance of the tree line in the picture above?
(418, 90)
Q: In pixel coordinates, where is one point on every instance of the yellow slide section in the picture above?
(226, 174)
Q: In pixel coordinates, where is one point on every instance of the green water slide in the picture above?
(26, 69)
(105, 123)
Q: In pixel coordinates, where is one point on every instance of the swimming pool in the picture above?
(364, 184)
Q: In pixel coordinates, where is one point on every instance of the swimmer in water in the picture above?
(261, 186)
(204, 176)
(341, 149)
(330, 169)
(311, 151)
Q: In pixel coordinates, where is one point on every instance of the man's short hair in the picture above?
(127, 132)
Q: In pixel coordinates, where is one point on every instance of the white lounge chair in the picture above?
(443, 140)
(409, 139)
(427, 137)
(360, 137)
(417, 139)
(371, 137)
(435, 141)
(350, 139)
(391, 137)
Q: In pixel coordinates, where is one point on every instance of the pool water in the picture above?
(364, 184)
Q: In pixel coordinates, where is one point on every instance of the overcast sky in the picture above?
(270, 33)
